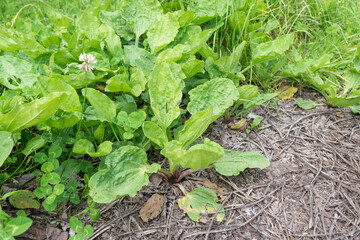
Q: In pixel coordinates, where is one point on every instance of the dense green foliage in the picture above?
(87, 80)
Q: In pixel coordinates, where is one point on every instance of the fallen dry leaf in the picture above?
(152, 208)
(240, 125)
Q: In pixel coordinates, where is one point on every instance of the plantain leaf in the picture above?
(141, 15)
(197, 157)
(220, 93)
(163, 32)
(127, 172)
(140, 58)
(273, 49)
(258, 100)
(71, 103)
(208, 9)
(6, 145)
(201, 201)
(247, 92)
(104, 108)
(16, 73)
(165, 88)
(30, 114)
(235, 162)
(84, 146)
(195, 126)
(154, 132)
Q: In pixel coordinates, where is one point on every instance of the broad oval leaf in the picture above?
(6, 145)
(30, 114)
(247, 92)
(104, 108)
(84, 146)
(71, 103)
(197, 157)
(153, 132)
(12, 68)
(17, 226)
(270, 50)
(165, 92)
(235, 162)
(163, 32)
(24, 199)
(220, 93)
(202, 200)
(127, 172)
(141, 15)
(139, 57)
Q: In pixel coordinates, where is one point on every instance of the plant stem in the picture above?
(112, 128)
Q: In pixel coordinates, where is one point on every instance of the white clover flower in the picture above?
(87, 60)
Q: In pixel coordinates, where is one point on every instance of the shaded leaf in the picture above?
(24, 199)
(140, 58)
(6, 146)
(153, 132)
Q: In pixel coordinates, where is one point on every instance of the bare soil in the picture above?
(311, 190)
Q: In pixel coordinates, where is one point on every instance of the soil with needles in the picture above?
(310, 191)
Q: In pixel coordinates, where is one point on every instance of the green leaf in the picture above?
(197, 157)
(170, 54)
(258, 100)
(208, 9)
(135, 86)
(220, 93)
(17, 226)
(76, 225)
(305, 104)
(247, 92)
(140, 58)
(52, 178)
(30, 114)
(352, 77)
(84, 146)
(54, 151)
(59, 189)
(33, 145)
(154, 132)
(50, 203)
(104, 107)
(165, 88)
(127, 172)
(118, 23)
(94, 214)
(72, 185)
(195, 126)
(201, 201)
(13, 41)
(24, 199)
(71, 103)
(192, 67)
(355, 109)
(162, 32)
(141, 15)
(88, 230)
(16, 73)
(6, 145)
(235, 162)
(100, 132)
(74, 198)
(197, 41)
(273, 49)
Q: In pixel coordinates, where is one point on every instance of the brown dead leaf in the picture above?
(152, 208)
(240, 125)
(213, 186)
(288, 93)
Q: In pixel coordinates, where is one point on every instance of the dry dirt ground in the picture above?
(311, 190)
